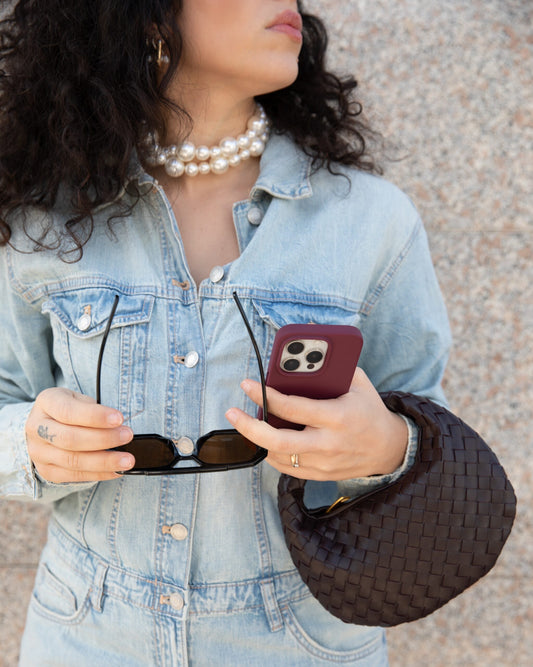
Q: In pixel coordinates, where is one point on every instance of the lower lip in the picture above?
(291, 32)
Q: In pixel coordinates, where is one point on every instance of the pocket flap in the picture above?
(302, 311)
(85, 313)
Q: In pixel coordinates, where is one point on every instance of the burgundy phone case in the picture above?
(330, 381)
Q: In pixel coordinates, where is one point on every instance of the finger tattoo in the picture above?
(42, 432)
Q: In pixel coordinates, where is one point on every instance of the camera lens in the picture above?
(295, 348)
(291, 364)
(314, 357)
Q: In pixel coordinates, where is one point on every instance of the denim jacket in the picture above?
(314, 247)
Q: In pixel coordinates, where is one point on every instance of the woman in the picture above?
(192, 569)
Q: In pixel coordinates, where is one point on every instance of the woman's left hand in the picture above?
(354, 435)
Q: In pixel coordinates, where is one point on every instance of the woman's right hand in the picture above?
(68, 437)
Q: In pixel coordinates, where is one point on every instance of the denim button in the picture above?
(255, 215)
(191, 359)
(185, 446)
(175, 600)
(84, 322)
(179, 531)
(217, 273)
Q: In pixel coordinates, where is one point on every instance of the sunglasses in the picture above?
(218, 450)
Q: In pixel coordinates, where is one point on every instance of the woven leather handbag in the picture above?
(401, 552)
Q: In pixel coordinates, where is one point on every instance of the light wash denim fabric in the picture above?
(193, 569)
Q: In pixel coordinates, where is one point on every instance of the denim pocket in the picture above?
(329, 638)
(305, 309)
(57, 601)
(270, 314)
(78, 320)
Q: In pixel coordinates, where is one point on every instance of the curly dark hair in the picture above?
(77, 91)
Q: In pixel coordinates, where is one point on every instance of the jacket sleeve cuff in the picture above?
(18, 478)
(361, 485)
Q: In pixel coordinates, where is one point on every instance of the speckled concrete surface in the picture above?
(450, 86)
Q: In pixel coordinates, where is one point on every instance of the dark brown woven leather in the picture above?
(399, 553)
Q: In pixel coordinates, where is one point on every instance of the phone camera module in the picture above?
(306, 355)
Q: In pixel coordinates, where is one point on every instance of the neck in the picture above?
(216, 111)
(212, 121)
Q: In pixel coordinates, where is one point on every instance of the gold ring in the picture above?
(295, 461)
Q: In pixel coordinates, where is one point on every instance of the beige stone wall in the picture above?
(450, 85)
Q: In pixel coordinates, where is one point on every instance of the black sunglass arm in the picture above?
(102, 347)
(256, 350)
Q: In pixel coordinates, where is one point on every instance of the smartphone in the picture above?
(313, 360)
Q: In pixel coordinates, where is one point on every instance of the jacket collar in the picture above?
(284, 170)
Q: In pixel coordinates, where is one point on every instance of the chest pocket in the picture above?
(78, 319)
(271, 315)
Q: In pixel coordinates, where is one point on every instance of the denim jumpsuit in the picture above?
(193, 569)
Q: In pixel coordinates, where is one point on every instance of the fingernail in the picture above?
(246, 385)
(231, 416)
(127, 462)
(125, 434)
(114, 418)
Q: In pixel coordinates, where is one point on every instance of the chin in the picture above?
(269, 84)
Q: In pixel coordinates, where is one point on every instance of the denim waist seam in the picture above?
(209, 599)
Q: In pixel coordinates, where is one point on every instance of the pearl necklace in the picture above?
(191, 160)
